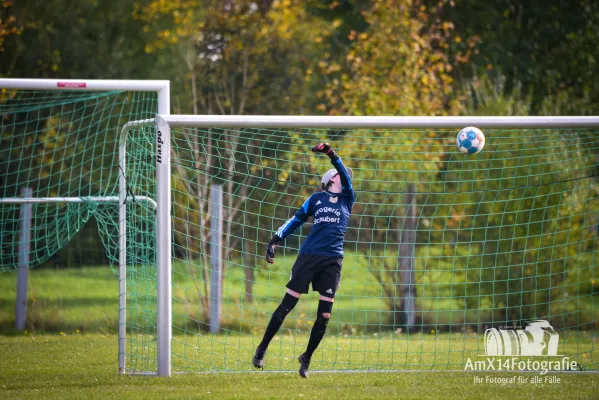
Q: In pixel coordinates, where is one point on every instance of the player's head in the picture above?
(331, 181)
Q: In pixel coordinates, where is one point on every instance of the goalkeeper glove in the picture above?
(270, 249)
(327, 149)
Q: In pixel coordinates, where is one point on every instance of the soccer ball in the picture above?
(471, 140)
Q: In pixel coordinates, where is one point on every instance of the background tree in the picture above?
(344, 57)
(241, 57)
(93, 40)
(9, 26)
(548, 47)
(399, 65)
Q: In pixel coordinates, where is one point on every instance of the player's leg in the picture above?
(299, 282)
(326, 282)
(325, 306)
(289, 301)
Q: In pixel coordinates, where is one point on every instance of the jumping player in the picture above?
(320, 258)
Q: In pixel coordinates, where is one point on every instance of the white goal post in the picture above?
(162, 202)
(164, 123)
(162, 89)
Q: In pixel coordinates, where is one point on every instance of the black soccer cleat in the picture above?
(258, 359)
(304, 365)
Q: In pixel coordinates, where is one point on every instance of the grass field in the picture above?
(86, 299)
(84, 366)
(70, 348)
(64, 300)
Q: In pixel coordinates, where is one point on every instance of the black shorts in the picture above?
(324, 272)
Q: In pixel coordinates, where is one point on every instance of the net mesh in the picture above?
(441, 247)
(64, 144)
(443, 251)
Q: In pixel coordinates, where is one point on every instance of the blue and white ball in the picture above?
(471, 140)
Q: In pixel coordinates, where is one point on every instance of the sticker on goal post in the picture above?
(71, 84)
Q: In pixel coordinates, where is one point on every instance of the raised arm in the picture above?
(301, 216)
(345, 176)
(344, 173)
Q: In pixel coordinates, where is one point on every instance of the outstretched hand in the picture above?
(325, 148)
(270, 252)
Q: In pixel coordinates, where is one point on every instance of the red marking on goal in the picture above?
(71, 84)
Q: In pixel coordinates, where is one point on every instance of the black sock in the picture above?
(320, 327)
(277, 319)
(318, 330)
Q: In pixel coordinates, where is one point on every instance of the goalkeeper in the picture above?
(320, 257)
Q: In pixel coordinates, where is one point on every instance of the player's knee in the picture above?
(288, 303)
(324, 311)
(321, 323)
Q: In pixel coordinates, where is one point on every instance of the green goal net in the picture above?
(59, 152)
(448, 256)
(62, 158)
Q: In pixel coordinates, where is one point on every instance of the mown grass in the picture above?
(63, 300)
(384, 352)
(84, 366)
(79, 360)
(86, 299)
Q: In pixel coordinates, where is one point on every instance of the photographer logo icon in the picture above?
(536, 339)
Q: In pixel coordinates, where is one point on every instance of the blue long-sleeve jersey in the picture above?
(331, 213)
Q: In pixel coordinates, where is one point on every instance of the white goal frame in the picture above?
(164, 123)
(162, 88)
(162, 204)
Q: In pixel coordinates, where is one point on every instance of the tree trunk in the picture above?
(248, 249)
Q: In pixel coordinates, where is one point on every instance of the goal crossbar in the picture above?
(87, 199)
(162, 90)
(324, 122)
(164, 123)
(161, 87)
